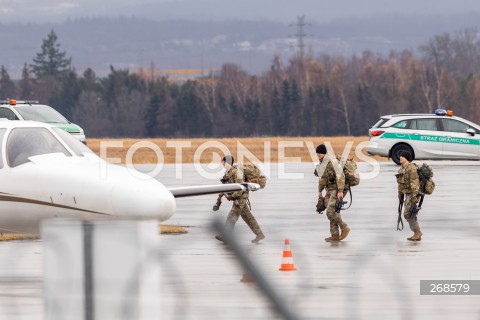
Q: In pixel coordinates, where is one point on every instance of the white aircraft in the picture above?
(46, 173)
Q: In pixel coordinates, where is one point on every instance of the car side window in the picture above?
(8, 114)
(401, 124)
(424, 124)
(379, 123)
(454, 125)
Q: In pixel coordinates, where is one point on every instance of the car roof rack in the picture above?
(411, 114)
(13, 102)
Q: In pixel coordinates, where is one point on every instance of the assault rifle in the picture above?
(414, 211)
(339, 205)
(414, 208)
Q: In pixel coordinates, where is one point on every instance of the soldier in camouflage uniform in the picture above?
(333, 181)
(241, 203)
(408, 190)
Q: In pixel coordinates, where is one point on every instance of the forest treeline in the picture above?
(309, 95)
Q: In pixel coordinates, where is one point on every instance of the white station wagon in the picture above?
(427, 136)
(32, 110)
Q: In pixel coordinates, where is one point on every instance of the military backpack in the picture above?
(251, 173)
(425, 174)
(350, 170)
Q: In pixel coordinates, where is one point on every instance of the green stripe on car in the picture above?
(429, 138)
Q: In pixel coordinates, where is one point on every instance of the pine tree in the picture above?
(284, 109)
(66, 95)
(51, 61)
(151, 121)
(26, 86)
(7, 87)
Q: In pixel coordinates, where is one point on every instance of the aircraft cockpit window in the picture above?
(74, 144)
(23, 143)
(2, 134)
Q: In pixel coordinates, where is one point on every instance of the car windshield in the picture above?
(23, 143)
(473, 125)
(40, 113)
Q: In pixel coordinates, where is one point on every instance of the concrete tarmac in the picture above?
(374, 273)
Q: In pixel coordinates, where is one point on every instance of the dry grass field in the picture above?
(19, 236)
(169, 229)
(269, 149)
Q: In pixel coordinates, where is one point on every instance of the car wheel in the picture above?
(395, 153)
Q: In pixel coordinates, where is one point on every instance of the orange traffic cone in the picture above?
(287, 260)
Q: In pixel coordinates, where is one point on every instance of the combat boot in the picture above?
(332, 238)
(259, 237)
(417, 236)
(344, 234)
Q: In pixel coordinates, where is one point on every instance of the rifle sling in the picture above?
(399, 220)
(349, 190)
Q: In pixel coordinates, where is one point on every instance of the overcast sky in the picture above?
(279, 10)
(337, 27)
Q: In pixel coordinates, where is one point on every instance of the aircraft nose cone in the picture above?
(142, 199)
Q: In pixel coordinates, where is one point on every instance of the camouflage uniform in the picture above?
(409, 185)
(332, 183)
(241, 204)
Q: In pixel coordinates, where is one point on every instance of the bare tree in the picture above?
(207, 93)
(466, 46)
(339, 83)
(236, 83)
(439, 52)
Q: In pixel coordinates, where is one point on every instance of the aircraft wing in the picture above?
(214, 188)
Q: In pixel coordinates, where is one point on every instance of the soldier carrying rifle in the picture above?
(334, 182)
(408, 190)
(241, 203)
